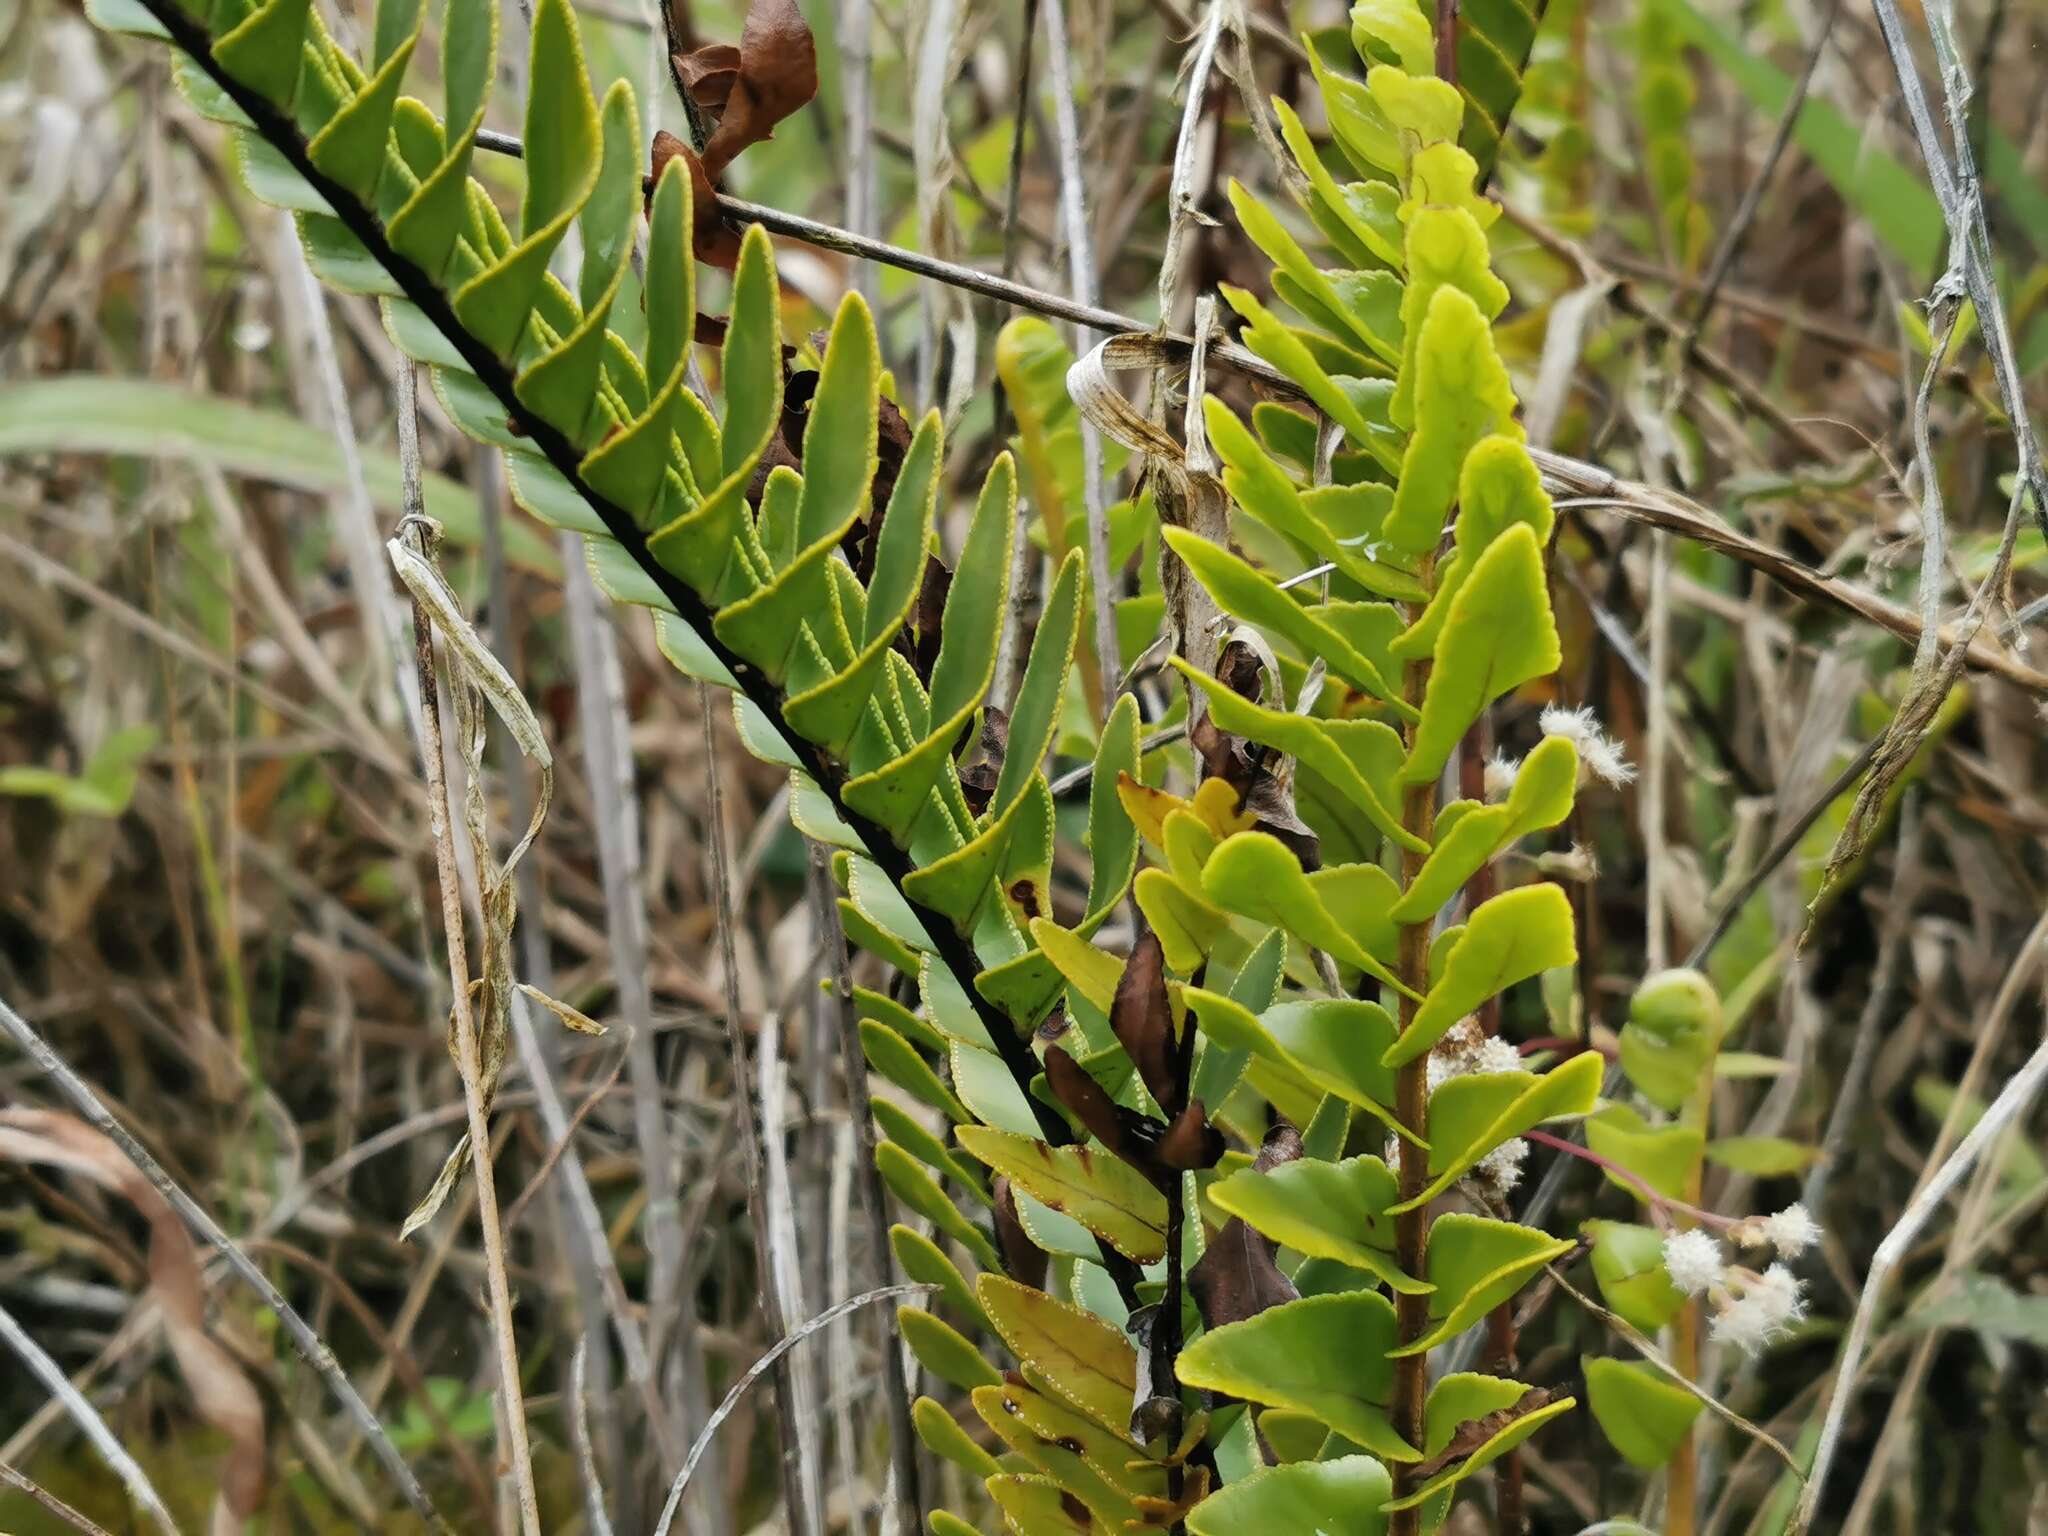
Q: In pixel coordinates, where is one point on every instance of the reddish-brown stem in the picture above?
(1681, 1478)
(1411, 1232)
(1501, 1341)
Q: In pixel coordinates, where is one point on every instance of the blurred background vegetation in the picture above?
(216, 883)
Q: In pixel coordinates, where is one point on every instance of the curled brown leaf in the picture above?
(1141, 1018)
(774, 75)
(1473, 1433)
(1238, 1275)
(1023, 1258)
(714, 240)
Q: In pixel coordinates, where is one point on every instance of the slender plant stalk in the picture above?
(469, 1063)
(49, 1501)
(1411, 1232)
(1681, 1477)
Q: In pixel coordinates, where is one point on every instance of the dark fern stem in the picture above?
(278, 130)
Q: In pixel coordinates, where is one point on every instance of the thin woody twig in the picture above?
(1565, 475)
(1656, 1360)
(750, 1131)
(2018, 1096)
(1788, 841)
(1744, 218)
(49, 1501)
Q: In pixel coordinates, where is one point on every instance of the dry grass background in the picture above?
(237, 938)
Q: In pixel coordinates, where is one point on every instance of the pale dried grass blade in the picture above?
(759, 1368)
(220, 1389)
(83, 1414)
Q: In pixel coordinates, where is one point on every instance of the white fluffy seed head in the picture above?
(1693, 1260)
(1501, 1169)
(1791, 1231)
(1600, 755)
(1576, 864)
(1497, 1055)
(1500, 775)
(1744, 1322)
(1780, 1294)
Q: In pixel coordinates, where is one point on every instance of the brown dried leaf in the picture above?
(1141, 1018)
(220, 1389)
(983, 766)
(1191, 1141)
(708, 74)
(919, 639)
(1237, 1276)
(1474, 1433)
(1023, 1258)
(892, 443)
(1264, 788)
(713, 238)
(1125, 1132)
(776, 74)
